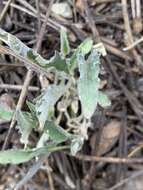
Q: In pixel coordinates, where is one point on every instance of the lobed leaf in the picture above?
(45, 105)
(88, 83)
(20, 49)
(84, 48)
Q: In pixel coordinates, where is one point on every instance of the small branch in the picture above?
(90, 20)
(18, 87)
(133, 44)
(138, 8)
(109, 159)
(5, 10)
(126, 180)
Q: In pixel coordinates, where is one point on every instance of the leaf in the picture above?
(42, 140)
(7, 106)
(84, 48)
(56, 133)
(65, 48)
(31, 107)
(63, 9)
(15, 156)
(55, 62)
(20, 156)
(25, 124)
(103, 100)
(30, 56)
(45, 105)
(88, 83)
(76, 145)
(5, 115)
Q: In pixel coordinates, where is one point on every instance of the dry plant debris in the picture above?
(111, 156)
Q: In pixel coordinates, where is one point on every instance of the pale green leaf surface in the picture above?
(88, 83)
(103, 100)
(42, 140)
(56, 133)
(84, 48)
(20, 156)
(65, 48)
(25, 124)
(5, 114)
(30, 55)
(15, 156)
(45, 105)
(31, 107)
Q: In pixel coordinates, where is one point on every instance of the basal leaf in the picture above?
(15, 156)
(45, 104)
(31, 56)
(103, 100)
(5, 114)
(88, 83)
(20, 156)
(56, 133)
(25, 124)
(65, 48)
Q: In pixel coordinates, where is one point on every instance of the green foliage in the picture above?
(25, 123)
(65, 48)
(63, 90)
(45, 105)
(29, 54)
(84, 48)
(56, 133)
(5, 114)
(88, 83)
(19, 156)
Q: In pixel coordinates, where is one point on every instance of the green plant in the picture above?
(62, 95)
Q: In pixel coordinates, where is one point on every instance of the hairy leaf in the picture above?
(65, 48)
(25, 124)
(32, 109)
(84, 48)
(20, 49)
(88, 83)
(19, 156)
(56, 133)
(45, 105)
